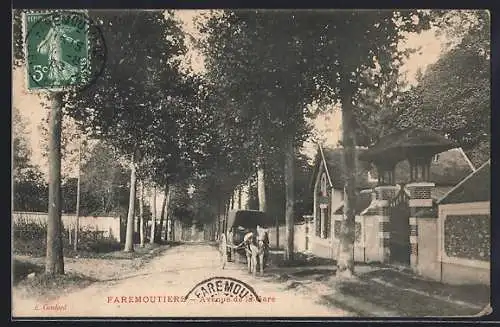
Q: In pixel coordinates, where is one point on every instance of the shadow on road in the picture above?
(168, 271)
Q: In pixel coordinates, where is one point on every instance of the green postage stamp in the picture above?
(63, 48)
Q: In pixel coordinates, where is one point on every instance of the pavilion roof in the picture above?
(401, 145)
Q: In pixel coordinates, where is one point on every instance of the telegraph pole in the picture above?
(77, 221)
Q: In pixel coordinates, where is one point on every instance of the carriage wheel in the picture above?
(223, 250)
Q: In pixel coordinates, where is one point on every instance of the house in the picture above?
(328, 187)
(373, 222)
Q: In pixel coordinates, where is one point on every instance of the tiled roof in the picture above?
(438, 191)
(474, 188)
(363, 200)
(334, 162)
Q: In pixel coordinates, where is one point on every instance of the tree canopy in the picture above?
(453, 95)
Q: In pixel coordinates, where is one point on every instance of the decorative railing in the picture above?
(401, 197)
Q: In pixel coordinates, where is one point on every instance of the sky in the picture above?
(326, 125)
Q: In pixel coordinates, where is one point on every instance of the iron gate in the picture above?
(399, 228)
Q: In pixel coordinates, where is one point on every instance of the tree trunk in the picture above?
(109, 199)
(224, 217)
(277, 232)
(54, 262)
(246, 198)
(289, 193)
(261, 187)
(162, 216)
(345, 261)
(141, 212)
(193, 230)
(153, 218)
(137, 220)
(169, 217)
(239, 198)
(172, 227)
(78, 190)
(217, 221)
(129, 238)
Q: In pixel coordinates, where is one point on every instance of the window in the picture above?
(435, 158)
(323, 188)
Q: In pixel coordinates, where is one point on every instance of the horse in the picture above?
(256, 248)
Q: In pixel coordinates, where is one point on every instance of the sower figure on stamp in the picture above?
(59, 69)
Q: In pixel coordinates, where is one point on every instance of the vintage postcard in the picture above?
(250, 163)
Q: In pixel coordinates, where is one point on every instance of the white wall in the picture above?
(110, 226)
(337, 198)
(459, 270)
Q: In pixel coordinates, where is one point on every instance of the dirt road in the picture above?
(161, 284)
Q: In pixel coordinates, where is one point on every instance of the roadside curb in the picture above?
(358, 306)
(409, 273)
(437, 297)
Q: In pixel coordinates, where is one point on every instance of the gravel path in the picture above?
(172, 274)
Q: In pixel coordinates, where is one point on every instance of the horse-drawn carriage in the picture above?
(245, 234)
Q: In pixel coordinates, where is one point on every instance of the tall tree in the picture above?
(104, 180)
(261, 186)
(347, 44)
(257, 61)
(21, 151)
(30, 188)
(153, 217)
(54, 262)
(163, 209)
(142, 227)
(127, 104)
(129, 235)
(453, 95)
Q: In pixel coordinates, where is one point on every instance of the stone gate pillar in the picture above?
(418, 145)
(420, 198)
